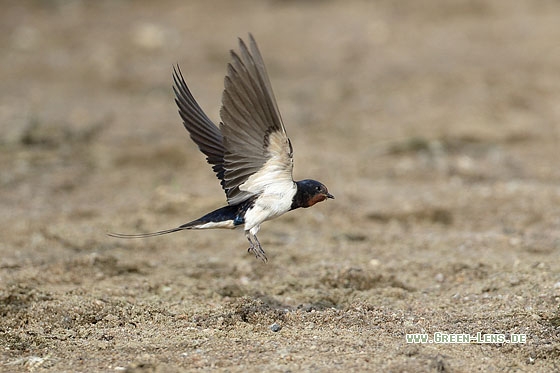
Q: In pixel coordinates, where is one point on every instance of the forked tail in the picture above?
(226, 217)
(144, 235)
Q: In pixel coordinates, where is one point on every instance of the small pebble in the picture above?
(275, 327)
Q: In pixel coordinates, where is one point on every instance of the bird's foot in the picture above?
(258, 252)
(256, 248)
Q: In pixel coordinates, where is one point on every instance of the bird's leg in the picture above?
(256, 248)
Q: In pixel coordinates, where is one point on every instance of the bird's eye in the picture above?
(318, 188)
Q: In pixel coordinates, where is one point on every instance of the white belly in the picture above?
(268, 206)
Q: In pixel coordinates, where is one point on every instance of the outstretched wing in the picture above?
(258, 153)
(201, 129)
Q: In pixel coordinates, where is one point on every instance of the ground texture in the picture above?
(435, 124)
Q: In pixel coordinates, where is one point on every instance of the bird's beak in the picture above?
(330, 196)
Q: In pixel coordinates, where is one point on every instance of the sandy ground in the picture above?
(435, 124)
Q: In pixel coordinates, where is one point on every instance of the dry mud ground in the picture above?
(435, 125)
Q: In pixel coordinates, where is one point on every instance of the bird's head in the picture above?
(310, 192)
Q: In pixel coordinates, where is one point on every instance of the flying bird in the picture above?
(249, 151)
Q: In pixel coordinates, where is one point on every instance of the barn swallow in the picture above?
(250, 151)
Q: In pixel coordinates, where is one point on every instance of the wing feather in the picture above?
(258, 153)
(202, 130)
(250, 151)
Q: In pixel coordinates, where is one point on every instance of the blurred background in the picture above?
(436, 124)
(414, 91)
